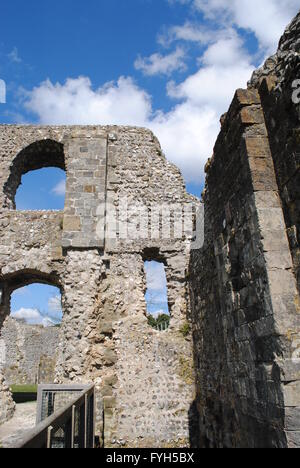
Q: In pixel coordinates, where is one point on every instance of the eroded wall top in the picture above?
(107, 168)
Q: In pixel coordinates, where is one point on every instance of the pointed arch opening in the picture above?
(30, 317)
(41, 168)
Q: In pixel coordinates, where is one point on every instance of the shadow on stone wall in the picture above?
(194, 426)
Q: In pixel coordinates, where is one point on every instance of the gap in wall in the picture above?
(42, 189)
(37, 304)
(29, 349)
(157, 295)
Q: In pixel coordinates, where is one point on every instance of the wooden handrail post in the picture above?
(73, 426)
(85, 420)
(93, 403)
(49, 437)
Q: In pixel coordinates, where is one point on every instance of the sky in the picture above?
(37, 304)
(157, 291)
(169, 65)
(42, 190)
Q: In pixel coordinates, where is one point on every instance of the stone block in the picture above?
(247, 97)
(110, 380)
(278, 260)
(72, 224)
(89, 189)
(109, 402)
(268, 199)
(271, 219)
(292, 394)
(282, 282)
(107, 391)
(258, 147)
(274, 241)
(113, 159)
(109, 357)
(292, 419)
(57, 253)
(293, 439)
(106, 328)
(252, 115)
(289, 369)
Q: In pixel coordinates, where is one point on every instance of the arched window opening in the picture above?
(40, 168)
(157, 295)
(29, 337)
(37, 304)
(42, 189)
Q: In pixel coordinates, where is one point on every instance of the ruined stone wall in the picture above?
(149, 386)
(275, 84)
(28, 354)
(142, 377)
(7, 405)
(245, 304)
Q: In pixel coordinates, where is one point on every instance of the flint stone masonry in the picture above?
(243, 282)
(143, 379)
(28, 353)
(7, 405)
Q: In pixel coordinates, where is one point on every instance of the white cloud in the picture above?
(266, 19)
(188, 131)
(55, 309)
(225, 67)
(187, 32)
(32, 317)
(2, 92)
(76, 102)
(54, 304)
(27, 314)
(158, 64)
(48, 322)
(226, 51)
(25, 291)
(157, 293)
(60, 189)
(156, 277)
(14, 56)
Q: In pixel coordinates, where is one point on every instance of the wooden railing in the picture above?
(73, 426)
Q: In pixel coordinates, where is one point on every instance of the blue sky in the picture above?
(42, 190)
(38, 304)
(67, 39)
(170, 65)
(157, 292)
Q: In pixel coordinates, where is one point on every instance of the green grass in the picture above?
(185, 329)
(23, 388)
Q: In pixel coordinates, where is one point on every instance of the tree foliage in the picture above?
(161, 321)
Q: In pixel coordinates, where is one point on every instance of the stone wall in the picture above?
(7, 406)
(149, 377)
(275, 85)
(245, 303)
(28, 354)
(143, 378)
